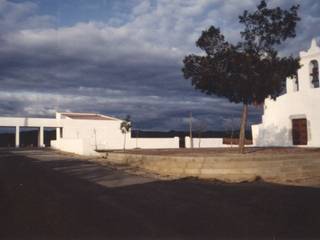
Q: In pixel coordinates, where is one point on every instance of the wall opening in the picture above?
(314, 73)
(182, 142)
(7, 136)
(299, 131)
(49, 134)
(296, 84)
(60, 132)
(29, 136)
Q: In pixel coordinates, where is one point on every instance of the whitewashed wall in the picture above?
(205, 142)
(96, 134)
(69, 145)
(105, 135)
(276, 126)
(88, 147)
(153, 143)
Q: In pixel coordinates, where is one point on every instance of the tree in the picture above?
(200, 127)
(125, 127)
(251, 70)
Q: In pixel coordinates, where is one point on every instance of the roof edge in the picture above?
(90, 113)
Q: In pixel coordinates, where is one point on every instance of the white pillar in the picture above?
(17, 136)
(41, 137)
(58, 135)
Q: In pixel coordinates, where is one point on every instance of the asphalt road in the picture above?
(47, 195)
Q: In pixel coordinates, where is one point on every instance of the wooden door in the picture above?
(299, 131)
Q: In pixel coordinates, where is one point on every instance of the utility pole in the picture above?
(190, 131)
(231, 130)
(95, 139)
(137, 136)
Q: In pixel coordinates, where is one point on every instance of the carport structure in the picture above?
(83, 133)
(25, 122)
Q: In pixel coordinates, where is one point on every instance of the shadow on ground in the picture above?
(40, 201)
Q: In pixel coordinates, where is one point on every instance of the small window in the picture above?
(296, 83)
(314, 73)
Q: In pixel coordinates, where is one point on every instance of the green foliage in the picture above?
(267, 27)
(125, 125)
(251, 70)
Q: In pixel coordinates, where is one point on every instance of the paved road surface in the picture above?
(79, 167)
(47, 195)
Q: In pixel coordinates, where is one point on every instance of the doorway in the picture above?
(7, 136)
(29, 136)
(299, 131)
(49, 134)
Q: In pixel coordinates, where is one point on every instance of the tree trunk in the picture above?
(242, 136)
(124, 141)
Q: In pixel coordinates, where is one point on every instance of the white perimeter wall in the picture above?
(153, 143)
(205, 143)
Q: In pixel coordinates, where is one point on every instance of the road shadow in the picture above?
(39, 201)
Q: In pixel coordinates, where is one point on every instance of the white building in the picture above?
(85, 133)
(293, 119)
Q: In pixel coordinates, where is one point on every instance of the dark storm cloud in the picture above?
(129, 68)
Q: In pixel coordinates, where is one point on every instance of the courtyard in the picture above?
(49, 195)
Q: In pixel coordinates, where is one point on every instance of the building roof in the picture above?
(87, 116)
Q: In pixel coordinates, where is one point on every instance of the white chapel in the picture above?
(293, 119)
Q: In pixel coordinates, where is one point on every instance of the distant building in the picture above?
(293, 119)
(84, 133)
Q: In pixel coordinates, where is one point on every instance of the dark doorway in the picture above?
(49, 134)
(7, 136)
(299, 131)
(182, 142)
(29, 137)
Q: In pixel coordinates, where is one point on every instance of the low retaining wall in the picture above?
(231, 168)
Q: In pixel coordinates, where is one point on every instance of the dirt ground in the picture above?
(229, 150)
(46, 195)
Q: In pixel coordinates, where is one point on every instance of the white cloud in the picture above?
(142, 8)
(15, 16)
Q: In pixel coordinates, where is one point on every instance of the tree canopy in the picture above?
(125, 125)
(251, 70)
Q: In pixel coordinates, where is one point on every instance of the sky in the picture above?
(122, 57)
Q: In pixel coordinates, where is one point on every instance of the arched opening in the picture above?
(314, 73)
